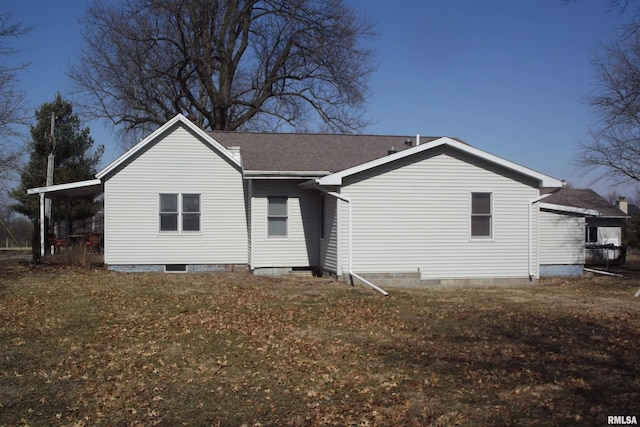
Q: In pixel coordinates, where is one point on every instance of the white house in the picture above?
(424, 211)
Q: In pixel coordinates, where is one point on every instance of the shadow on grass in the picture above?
(530, 368)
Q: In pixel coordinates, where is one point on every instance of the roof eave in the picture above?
(257, 174)
(570, 209)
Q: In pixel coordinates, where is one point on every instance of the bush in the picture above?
(77, 256)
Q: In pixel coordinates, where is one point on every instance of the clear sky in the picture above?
(506, 76)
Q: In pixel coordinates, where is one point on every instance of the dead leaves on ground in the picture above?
(99, 348)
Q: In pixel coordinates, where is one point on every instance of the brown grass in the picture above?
(89, 347)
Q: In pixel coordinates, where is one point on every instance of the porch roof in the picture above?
(70, 190)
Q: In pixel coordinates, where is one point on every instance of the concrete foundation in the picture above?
(189, 268)
(413, 280)
(561, 270)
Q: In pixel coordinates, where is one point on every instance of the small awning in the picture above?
(70, 190)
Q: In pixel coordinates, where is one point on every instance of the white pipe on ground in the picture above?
(351, 273)
(368, 283)
(606, 273)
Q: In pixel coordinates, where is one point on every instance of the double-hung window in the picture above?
(481, 215)
(277, 216)
(179, 212)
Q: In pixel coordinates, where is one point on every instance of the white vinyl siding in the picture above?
(414, 215)
(299, 248)
(179, 163)
(561, 239)
(323, 216)
(329, 245)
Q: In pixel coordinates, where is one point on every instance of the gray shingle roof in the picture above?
(582, 198)
(290, 152)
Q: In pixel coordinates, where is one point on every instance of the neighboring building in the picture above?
(412, 210)
(603, 222)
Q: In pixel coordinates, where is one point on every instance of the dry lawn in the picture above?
(95, 348)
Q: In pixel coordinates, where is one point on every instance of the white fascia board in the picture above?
(62, 187)
(146, 141)
(255, 174)
(570, 209)
(545, 180)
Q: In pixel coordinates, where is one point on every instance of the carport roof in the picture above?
(70, 190)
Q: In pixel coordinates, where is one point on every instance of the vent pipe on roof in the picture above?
(392, 150)
(417, 140)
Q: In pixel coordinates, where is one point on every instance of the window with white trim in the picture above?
(179, 212)
(277, 216)
(481, 215)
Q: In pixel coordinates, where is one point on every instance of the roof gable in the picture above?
(139, 148)
(544, 180)
(328, 156)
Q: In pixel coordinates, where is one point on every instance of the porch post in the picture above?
(42, 233)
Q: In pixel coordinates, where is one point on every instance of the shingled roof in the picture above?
(327, 153)
(582, 198)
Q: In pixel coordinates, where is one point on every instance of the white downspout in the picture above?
(351, 273)
(530, 207)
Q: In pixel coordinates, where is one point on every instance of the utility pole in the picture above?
(45, 202)
(50, 164)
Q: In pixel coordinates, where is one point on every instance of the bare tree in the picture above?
(231, 65)
(12, 111)
(614, 145)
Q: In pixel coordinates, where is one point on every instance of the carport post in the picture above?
(42, 242)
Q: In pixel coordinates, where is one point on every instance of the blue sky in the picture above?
(506, 76)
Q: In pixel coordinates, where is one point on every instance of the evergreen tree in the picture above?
(75, 160)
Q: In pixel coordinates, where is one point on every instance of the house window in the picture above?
(179, 212)
(591, 235)
(168, 212)
(190, 212)
(481, 216)
(322, 216)
(277, 216)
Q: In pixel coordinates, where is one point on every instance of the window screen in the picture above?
(481, 215)
(277, 216)
(190, 212)
(168, 212)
